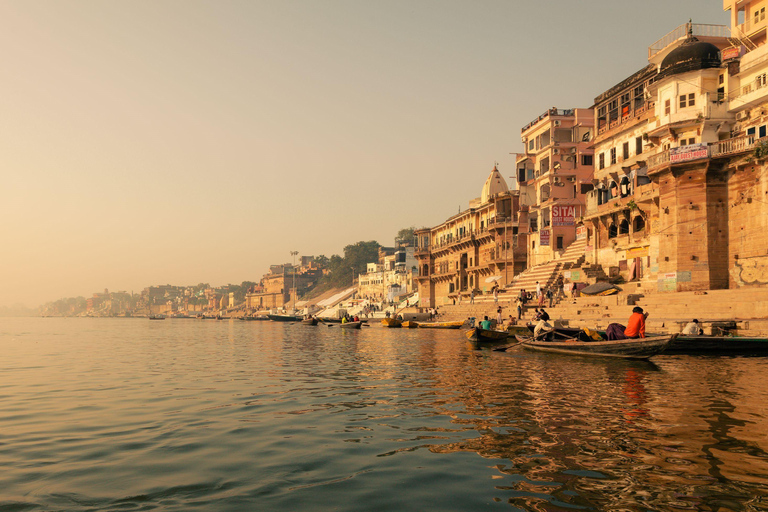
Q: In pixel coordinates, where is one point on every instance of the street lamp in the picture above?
(294, 253)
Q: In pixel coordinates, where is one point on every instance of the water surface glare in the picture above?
(185, 414)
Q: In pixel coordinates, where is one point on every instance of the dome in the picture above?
(691, 55)
(494, 185)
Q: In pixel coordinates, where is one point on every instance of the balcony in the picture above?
(548, 113)
(681, 32)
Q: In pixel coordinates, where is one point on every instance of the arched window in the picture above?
(612, 231)
(624, 227)
(425, 270)
(638, 224)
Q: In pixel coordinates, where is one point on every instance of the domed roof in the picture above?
(691, 55)
(494, 185)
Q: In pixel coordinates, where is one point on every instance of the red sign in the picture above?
(581, 232)
(544, 237)
(563, 215)
(733, 52)
(689, 152)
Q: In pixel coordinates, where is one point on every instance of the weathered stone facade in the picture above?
(461, 254)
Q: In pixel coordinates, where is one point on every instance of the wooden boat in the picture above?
(351, 325)
(441, 325)
(251, 318)
(707, 344)
(309, 321)
(410, 324)
(391, 322)
(156, 317)
(480, 335)
(631, 348)
(284, 318)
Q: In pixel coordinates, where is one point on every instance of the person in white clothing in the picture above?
(693, 328)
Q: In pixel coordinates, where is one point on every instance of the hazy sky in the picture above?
(153, 142)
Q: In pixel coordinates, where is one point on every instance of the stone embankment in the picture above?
(668, 312)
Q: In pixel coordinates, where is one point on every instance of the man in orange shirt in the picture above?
(635, 327)
(636, 324)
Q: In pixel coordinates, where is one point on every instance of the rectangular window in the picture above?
(601, 160)
(625, 151)
(682, 101)
(586, 159)
(613, 156)
(667, 108)
(691, 100)
(638, 145)
(761, 133)
(751, 131)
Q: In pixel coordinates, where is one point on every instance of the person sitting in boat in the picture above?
(635, 326)
(344, 319)
(543, 327)
(485, 323)
(693, 329)
(357, 318)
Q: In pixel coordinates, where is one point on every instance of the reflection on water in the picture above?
(124, 414)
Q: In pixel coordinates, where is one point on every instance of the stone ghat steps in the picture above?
(547, 273)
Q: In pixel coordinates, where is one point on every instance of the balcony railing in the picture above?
(731, 146)
(550, 112)
(697, 29)
(658, 159)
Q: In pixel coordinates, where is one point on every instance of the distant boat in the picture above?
(254, 317)
(441, 325)
(480, 335)
(284, 318)
(157, 317)
(309, 321)
(351, 325)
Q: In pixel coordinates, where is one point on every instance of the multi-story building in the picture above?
(473, 248)
(660, 209)
(551, 173)
(391, 276)
(282, 285)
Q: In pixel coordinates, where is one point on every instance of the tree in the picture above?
(405, 235)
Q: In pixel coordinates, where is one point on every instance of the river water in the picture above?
(130, 414)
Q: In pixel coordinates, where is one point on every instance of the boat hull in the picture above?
(724, 345)
(410, 324)
(631, 348)
(351, 325)
(284, 318)
(441, 325)
(391, 322)
(309, 321)
(479, 335)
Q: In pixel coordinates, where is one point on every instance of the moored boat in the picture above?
(351, 325)
(480, 335)
(441, 325)
(284, 318)
(309, 321)
(724, 345)
(391, 322)
(410, 324)
(157, 317)
(630, 348)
